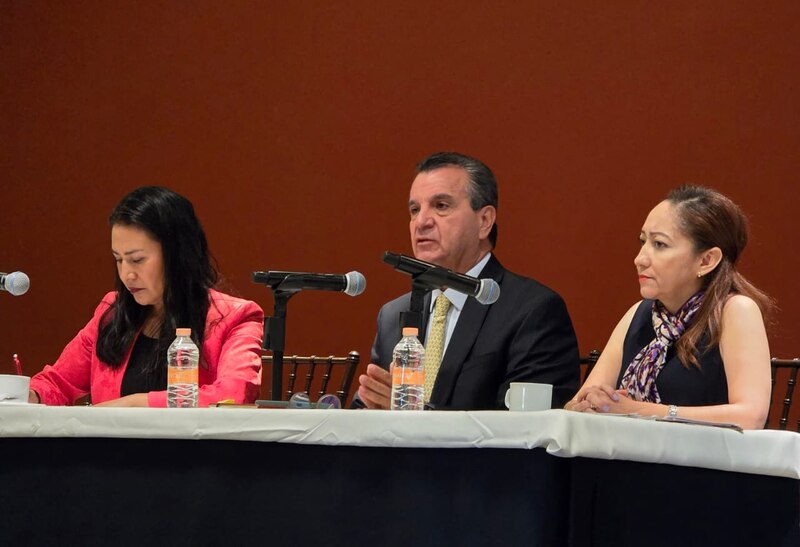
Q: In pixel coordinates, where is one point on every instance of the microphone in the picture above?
(351, 283)
(15, 283)
(485, 291)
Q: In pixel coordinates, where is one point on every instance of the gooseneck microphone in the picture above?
(485, 291)
(15, 283)
(352, 283)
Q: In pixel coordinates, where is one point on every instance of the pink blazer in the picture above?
(232, 351)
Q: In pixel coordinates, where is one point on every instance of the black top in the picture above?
(138, 379)
(677, 385)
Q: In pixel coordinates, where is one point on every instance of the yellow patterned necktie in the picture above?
(434, 348)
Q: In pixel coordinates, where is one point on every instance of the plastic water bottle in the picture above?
(182, 361)
(408, 375)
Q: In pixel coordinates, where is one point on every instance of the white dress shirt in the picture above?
(457, 301)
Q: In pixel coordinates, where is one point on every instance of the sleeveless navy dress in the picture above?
(677, 385)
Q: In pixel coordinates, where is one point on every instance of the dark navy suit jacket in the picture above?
(526, 336)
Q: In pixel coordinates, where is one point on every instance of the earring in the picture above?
(699, 275)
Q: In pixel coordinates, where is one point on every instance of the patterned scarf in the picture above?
(640, 377)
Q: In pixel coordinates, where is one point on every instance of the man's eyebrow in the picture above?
(435, 197)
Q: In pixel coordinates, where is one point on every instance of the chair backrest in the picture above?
(588, 363)
(313, 364)
(791, 366)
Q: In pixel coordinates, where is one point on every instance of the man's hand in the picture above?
(375, 387)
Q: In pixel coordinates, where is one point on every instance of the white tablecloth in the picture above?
(561, 433)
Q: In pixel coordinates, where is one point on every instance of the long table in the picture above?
(109, 476)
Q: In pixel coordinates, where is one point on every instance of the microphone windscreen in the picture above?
(17, 283)
(489, 292)
(356, 283)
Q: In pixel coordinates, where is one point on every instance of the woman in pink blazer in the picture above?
(165, 281)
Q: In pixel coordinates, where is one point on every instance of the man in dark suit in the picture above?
(526, 336)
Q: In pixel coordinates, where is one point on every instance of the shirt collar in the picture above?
(458, 299)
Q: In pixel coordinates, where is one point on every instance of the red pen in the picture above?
(17, 365)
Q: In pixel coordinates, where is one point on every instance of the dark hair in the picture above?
(481, 186)
(168, 218)
(710, 219)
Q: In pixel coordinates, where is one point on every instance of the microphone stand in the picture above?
(275, 335)
(275, 340)
(283, 288)
(413, 317)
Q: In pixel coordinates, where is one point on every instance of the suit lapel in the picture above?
(464, 336)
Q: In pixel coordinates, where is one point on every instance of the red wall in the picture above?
(294, 128)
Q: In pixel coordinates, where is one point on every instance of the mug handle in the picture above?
(508, 398)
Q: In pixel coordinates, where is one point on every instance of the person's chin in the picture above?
(428, 255)
(648, 293)
(141, 299)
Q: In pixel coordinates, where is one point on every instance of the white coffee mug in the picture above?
(14, 389)
(527, 396)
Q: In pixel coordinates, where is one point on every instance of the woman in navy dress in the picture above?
(696, 346)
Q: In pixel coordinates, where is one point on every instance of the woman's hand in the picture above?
(605, 399)
(137, 399)
(601, 398)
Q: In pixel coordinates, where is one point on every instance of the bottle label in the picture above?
(176, 375)
(402, 375)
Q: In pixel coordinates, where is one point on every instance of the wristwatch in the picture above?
(672, 412)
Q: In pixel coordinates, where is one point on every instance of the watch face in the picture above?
(673, 411)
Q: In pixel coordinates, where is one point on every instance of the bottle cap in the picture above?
(410, 331)
(183, 332)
